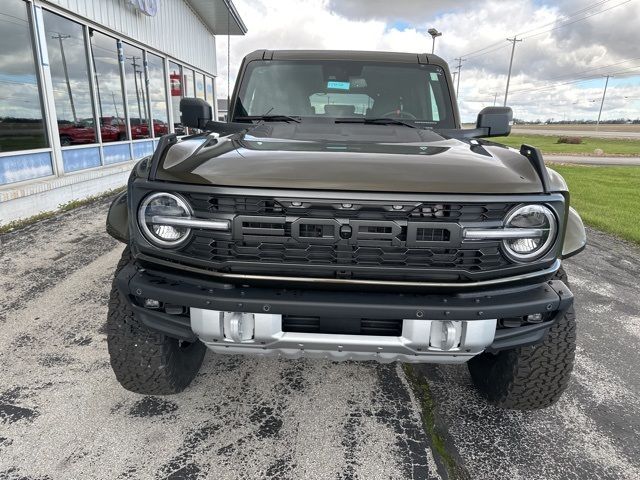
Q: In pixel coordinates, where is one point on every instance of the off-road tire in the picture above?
(146, 361)
(529, 378)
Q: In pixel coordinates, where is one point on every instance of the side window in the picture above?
(136, 91)
(21, 119)
(175, 77)
(70, 77)
(157, 95)
(109, 87)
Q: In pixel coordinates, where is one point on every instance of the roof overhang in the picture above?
(220, 16)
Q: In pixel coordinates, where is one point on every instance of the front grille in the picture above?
(342, 326)
(344, 239)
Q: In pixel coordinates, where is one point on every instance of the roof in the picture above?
(220, 16)
(353, 55)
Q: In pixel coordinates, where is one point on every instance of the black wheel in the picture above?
(65, 140)
(529, 378)
(146, 361)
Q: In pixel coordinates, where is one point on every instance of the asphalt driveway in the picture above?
(63, 415)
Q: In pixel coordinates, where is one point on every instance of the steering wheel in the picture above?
(401, 114)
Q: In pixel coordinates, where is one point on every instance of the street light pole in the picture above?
(513, 50)
(602, 103)
(434, 34)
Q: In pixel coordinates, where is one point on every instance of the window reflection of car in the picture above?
(160, 127)
(139, 128)
(83, 132)
(117, 123)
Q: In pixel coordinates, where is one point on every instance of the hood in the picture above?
(350, 157)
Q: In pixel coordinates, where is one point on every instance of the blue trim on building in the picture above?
(80, 158)
(17, 168)
(116, 153)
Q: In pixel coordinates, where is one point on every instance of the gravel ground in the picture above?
(63, 416)
(593, 432)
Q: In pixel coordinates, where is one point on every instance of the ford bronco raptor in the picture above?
(343, 213)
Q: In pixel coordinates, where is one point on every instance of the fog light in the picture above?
(239, 327)
(534, 318)
(445, 335)
(151, 303)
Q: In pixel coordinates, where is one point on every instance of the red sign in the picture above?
(176, 85)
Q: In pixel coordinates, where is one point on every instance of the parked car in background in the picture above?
(84, 132)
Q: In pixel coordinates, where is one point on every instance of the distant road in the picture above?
(578, 131)
(592, 160)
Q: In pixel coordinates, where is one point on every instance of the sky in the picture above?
(559, 68)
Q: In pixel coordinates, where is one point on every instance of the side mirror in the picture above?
(195, 113)
(496, 121)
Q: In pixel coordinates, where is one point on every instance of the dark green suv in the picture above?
(343, 213)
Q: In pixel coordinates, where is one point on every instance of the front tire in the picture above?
(146, 361)
(529, 378)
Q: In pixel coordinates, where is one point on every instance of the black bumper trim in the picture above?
(551, 297)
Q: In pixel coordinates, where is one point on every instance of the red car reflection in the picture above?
(112, 129)
(84, 132)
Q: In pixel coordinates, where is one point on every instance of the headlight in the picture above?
(539, 227)
(161, 218)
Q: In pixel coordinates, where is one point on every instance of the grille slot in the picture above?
(342, 326)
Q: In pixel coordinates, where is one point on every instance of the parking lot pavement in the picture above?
(63, 416)
(593, 432)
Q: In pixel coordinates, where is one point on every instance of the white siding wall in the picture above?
(176, 30)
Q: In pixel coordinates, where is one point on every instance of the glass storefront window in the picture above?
(187, 75)
(175, 77)
(136, 92)
(209, 91)
(200, 92)
(21, 118)
(70, 77)
(108, 87)
(157, 95)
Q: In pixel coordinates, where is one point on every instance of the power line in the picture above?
(621, 73)
(567, 17)
(578, 20)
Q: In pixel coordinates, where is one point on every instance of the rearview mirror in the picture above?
(195, 113)
(496, 121)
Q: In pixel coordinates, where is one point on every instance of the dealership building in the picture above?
(88, 87)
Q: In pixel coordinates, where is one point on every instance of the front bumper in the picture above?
(199, 303)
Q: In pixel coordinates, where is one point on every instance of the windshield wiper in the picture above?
(376, 121)
(270, 118)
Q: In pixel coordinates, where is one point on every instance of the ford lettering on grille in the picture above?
(331, 231)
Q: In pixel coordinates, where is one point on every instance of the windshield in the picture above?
(346, 89)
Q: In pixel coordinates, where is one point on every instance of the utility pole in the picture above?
(61, 37)
(460, 60)
(513, 50)
(135, 64)
(602, 103)
(115, 107)
(495, 99)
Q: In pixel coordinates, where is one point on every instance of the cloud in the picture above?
(553, 54)
(408, 10)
